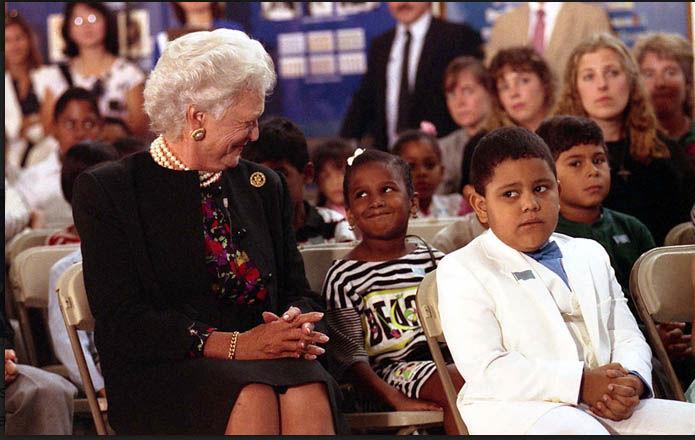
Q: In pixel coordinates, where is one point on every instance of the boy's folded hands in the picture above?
(611, 391)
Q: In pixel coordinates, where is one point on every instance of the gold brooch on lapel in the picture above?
(257, 179)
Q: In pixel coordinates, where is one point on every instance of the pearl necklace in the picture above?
(162, 155)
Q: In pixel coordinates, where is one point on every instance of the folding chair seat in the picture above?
(24, 240)
(680, 234)
(660, 286)
(74, 306)
(29, 285)
(318, 259)
(427, 228)
(426, 300)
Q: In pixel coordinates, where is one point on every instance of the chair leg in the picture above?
(25, 324)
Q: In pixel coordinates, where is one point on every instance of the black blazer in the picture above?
(143, 257)
(444, 41)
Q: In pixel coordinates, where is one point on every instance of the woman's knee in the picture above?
(255, 392)
(308, 391)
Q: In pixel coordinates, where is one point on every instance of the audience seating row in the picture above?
(659, 284)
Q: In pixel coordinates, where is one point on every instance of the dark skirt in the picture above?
(196, 396)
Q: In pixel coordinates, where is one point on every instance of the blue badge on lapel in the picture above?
(621, 239)
(523, 275)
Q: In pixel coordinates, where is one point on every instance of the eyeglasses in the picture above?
(71, 124)
(79, 21)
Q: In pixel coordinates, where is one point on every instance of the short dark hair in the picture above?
(416, 136)
(128, 145)
(110, 36)
(81, 157)
(504, 144)
(563, 132)
(335, 151)
(472, 65)
(395, 163)
(217, 9)
(75, 94)
(468, 150)
(279, 139)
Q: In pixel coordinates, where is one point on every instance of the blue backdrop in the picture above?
(313, 88)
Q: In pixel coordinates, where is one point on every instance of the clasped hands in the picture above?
(291, 335)
(10, 366)
(611, 391)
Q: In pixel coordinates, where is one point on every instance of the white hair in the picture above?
(209, 70)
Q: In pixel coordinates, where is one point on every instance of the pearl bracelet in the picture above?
(232, 346)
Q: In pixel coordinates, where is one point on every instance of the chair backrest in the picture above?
(30, 271)
(662, 278)
(74, 305)
(683, 233)
(426, 300)
(24, 240)
(72, 297)
(318, 259)
(427, 228)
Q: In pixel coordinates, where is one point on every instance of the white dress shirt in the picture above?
(39, 186)
(418, 30)
(551, 10)
(571, 312)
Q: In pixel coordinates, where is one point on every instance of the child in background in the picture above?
(421, 151)
(329, 161)
(536, 322)
(581, 159)
(78, 159)
(282, 147)
(372, 290)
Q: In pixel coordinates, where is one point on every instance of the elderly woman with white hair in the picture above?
(204, 318)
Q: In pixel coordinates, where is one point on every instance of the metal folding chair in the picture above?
(74, 305)
(428, 313)
(660, 285)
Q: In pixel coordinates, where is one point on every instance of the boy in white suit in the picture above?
(536, 322)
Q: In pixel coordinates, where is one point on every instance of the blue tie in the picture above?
(550, 257)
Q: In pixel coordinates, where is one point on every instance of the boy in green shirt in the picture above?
(581, 159)
(580, 155)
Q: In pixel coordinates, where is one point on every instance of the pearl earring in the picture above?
(198, 134)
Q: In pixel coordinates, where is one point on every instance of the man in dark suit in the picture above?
(395, 95)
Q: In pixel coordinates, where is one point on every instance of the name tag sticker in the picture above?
(418, 271)
(523, 275)
(621, 239)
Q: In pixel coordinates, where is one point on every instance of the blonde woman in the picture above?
(602, 82)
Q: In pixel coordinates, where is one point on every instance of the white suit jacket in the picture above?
(508, 338)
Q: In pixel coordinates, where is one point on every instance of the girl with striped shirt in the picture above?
(376, 339)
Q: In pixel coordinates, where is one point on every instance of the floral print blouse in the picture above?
(233, 276)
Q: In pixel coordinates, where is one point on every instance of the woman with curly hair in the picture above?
(602, 82)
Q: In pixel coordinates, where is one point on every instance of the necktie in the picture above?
(404, 93)
(539, 32)
(550, 256)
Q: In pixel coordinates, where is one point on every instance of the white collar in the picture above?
(418, 28)
(550, 8)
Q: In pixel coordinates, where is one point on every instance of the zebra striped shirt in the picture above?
(370, 309)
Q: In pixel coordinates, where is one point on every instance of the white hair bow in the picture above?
(354, 155)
